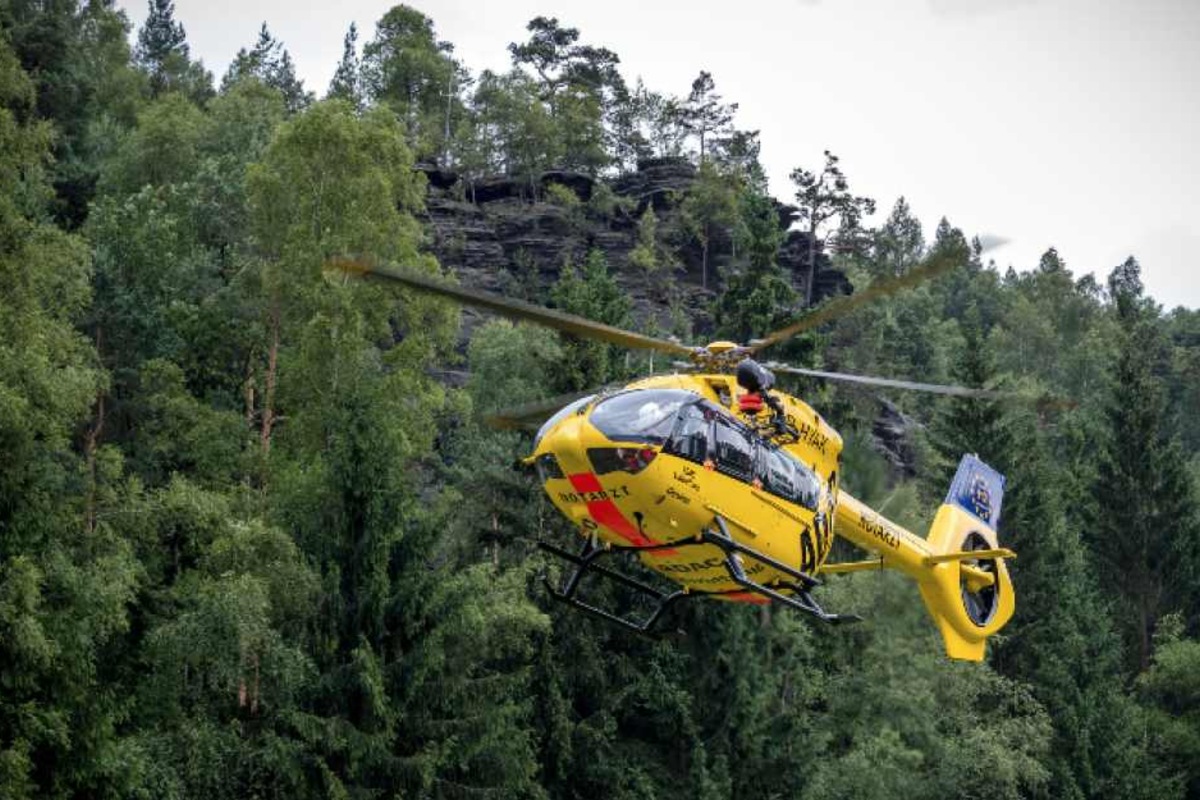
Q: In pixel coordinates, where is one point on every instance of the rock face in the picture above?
(501, 230)
(501, 234)
(890, 437)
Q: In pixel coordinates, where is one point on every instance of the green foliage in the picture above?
(163, 54)
(823, 198)
(704, 114)
(1145, 532)
(757, 296)
(899, 244)
(1171, 688)
(594, 294)
(347, 79)
(576, 84)
(563, 197)
(270, 63)
(251, 546)
(651, 255)
(405, 68)
(65, 584)
(710, 204)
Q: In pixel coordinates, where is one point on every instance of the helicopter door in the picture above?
(690, 438)
(733, 449)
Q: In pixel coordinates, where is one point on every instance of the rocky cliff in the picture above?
(503, 232)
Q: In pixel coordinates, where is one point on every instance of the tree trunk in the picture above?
(90, 445)
(268, 411)
(812, 266)
(248, 391)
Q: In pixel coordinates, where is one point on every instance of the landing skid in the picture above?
(586, 562)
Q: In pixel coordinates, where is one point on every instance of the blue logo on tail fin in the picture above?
(979, 489)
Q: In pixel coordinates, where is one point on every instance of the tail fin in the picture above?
(966, 586)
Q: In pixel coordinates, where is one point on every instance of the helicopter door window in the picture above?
(785, 476)
(690, 438)
(734, 449)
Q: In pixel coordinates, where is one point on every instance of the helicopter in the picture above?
(730, 488)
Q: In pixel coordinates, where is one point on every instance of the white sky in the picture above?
(1066, 123)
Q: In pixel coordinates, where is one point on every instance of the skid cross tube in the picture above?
(800, 598)
(585, 562)
(586, 559)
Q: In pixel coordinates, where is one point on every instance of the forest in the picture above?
(255, 541)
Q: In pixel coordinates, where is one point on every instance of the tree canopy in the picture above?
(256, 542)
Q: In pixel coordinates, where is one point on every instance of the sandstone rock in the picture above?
(891, 437)
(494, 233)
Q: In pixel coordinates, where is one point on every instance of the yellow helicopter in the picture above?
(730, 488)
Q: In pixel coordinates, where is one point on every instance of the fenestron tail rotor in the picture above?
(508, 307)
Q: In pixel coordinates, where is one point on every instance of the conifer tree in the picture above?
(347, 79)
(757, 295)
(594, 294)
(271, 63)
(705, 114)
(899, 244)
(1145, 532)
(408, 69)
(1063, 642)
(162, 52)
(161, 36)
(822, 199)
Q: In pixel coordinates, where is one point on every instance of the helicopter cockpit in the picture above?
(688, 426)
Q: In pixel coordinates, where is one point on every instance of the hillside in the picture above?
(256, 542)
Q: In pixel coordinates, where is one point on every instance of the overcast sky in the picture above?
(1065, 123)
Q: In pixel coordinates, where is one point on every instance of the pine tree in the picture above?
(162, 52)
(408, 69)
(899, 244)
(272, 64)
(594, 294)
(161, 37)
(704, 114)
(1062, 641)
(822, 199)
(347, 79)
(1145, 532)
(757, 295)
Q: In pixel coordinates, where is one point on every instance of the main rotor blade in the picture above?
(868, 380)
(840, 306)
(530, 416)
(515, 309)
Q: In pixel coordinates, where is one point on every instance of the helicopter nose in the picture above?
(566, 446)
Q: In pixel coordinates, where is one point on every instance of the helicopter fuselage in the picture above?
(653, 464)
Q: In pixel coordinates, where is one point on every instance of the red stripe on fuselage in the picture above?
(607, 514)
(748, 597)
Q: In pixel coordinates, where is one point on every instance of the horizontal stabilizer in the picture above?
(962, 555)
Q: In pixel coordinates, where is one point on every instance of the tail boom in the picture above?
(959, 567)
